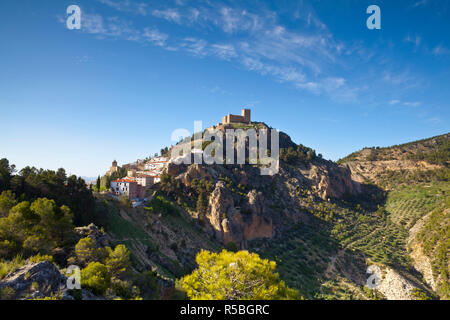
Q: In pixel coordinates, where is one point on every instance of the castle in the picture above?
(114, 168)
(232, 118)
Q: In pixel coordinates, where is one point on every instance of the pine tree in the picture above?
(201, 203)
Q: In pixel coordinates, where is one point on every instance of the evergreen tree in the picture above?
(235, 276)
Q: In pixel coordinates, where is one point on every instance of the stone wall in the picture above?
(232, 118)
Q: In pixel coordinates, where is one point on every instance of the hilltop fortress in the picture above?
(232, 118)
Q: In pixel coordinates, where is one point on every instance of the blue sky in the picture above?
(137, 70)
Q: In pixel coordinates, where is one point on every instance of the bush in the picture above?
(301, 154)
(419, 294)
(7, 201)
(96, 278)
(40, 258)
(118, 261)
(85, 250)
(160, 205)
(7, 293)
(231, 246)
(235, 276)
(6, 267)
(125, 201)
(124, 289)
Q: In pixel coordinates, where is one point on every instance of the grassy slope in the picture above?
(139, 233)
(424, 149)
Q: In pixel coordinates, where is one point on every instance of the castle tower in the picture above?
(114, 168)
(246, 115)
(232, 118)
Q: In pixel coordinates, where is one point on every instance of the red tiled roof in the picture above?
(124, 180)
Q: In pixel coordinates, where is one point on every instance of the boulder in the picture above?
(41, 279)
(101, 239)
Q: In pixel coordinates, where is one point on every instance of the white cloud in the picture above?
(440, 50)
(233, 20)
(400, 78)
(412, 104)
(393, 102)
(416, 40)
(155, 36)
(420, 3)
(434, 120)
(405, 103)
(224, 51)
(93, 24)
(195, 46)
(114, 27)
(253, 39)
(168, 14)
(127, 6)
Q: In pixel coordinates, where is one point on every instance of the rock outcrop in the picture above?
(231, 224)
(101, 239)
(331, 181)
(395, 287)
(35, 280)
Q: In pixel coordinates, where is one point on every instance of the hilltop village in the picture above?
(143, 174)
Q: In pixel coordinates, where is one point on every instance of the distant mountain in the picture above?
(89, 179)
(415, 161)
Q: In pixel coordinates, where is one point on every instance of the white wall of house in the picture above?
(121, 188)
(145, 181)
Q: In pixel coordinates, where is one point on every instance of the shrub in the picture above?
(11, 266)
(235, 276)
(7, 201)
(7, 293)
(96, 278)
(419, 294)
(124, 289)
(118, 261)
(85, 250)
(40, 258)
(160, 204)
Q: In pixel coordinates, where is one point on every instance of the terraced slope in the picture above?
(407, 204)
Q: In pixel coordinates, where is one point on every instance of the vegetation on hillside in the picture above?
(36, 227)
(30, 184)
(435, 150)
(235, 276)
(300, 154)
(435, 239)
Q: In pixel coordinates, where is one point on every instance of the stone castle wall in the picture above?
(232, 118)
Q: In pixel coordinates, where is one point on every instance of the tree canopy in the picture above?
(235, 276)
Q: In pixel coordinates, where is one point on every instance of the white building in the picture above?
(127, 187)
(156, 163)
(145, 180)
(159, 159)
